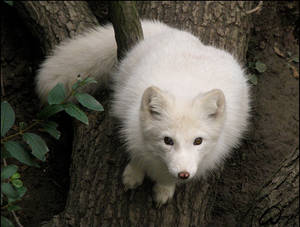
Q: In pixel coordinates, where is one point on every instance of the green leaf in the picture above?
(20, 191)
(251, 64)
(57, 94)
(13, 207)
(7, 117)
(50, 110)
(17, 151)
(77, 113)
(5, 222)
(260, 67)
(8, 171)
(89, 80)
(37, 144)
(5, 154)
(15, 176)
(17, 183)
(50, 127)
(8, 190)
(11, 3)
(89, 101)
(253, 79)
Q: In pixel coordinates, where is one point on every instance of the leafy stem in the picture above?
(21, 131)
(12, 189)
(72, 93)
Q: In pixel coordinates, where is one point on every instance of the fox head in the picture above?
(182, 133)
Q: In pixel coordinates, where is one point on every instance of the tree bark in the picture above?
(218, 23)
(271, 207)
(53, 21)
(96, 197)
(126, 23)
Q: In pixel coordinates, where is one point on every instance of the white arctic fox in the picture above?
(182, 105)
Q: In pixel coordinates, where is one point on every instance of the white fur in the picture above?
(182, 74)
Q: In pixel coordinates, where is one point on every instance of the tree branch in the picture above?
(127, 26)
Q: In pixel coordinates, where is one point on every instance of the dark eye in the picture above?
(168, 141)
(198, 141)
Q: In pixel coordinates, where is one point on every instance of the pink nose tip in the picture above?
(184, 175)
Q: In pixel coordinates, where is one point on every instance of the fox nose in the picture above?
(184, 175)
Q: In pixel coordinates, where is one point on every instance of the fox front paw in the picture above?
(162, 193)
(132, 177)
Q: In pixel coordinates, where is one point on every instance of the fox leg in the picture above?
(163, 192)
(133, 176)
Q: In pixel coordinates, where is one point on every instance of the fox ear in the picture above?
(212, 103)
(154, 103)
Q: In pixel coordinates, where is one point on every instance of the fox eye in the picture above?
(168, 141)
(198, 141)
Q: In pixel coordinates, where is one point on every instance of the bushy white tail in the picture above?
(93, 53)
(90, 54)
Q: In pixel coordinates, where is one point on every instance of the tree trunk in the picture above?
(53, 21)
(96, 196)
(127, 25)
(219, 23)
(274, 206)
